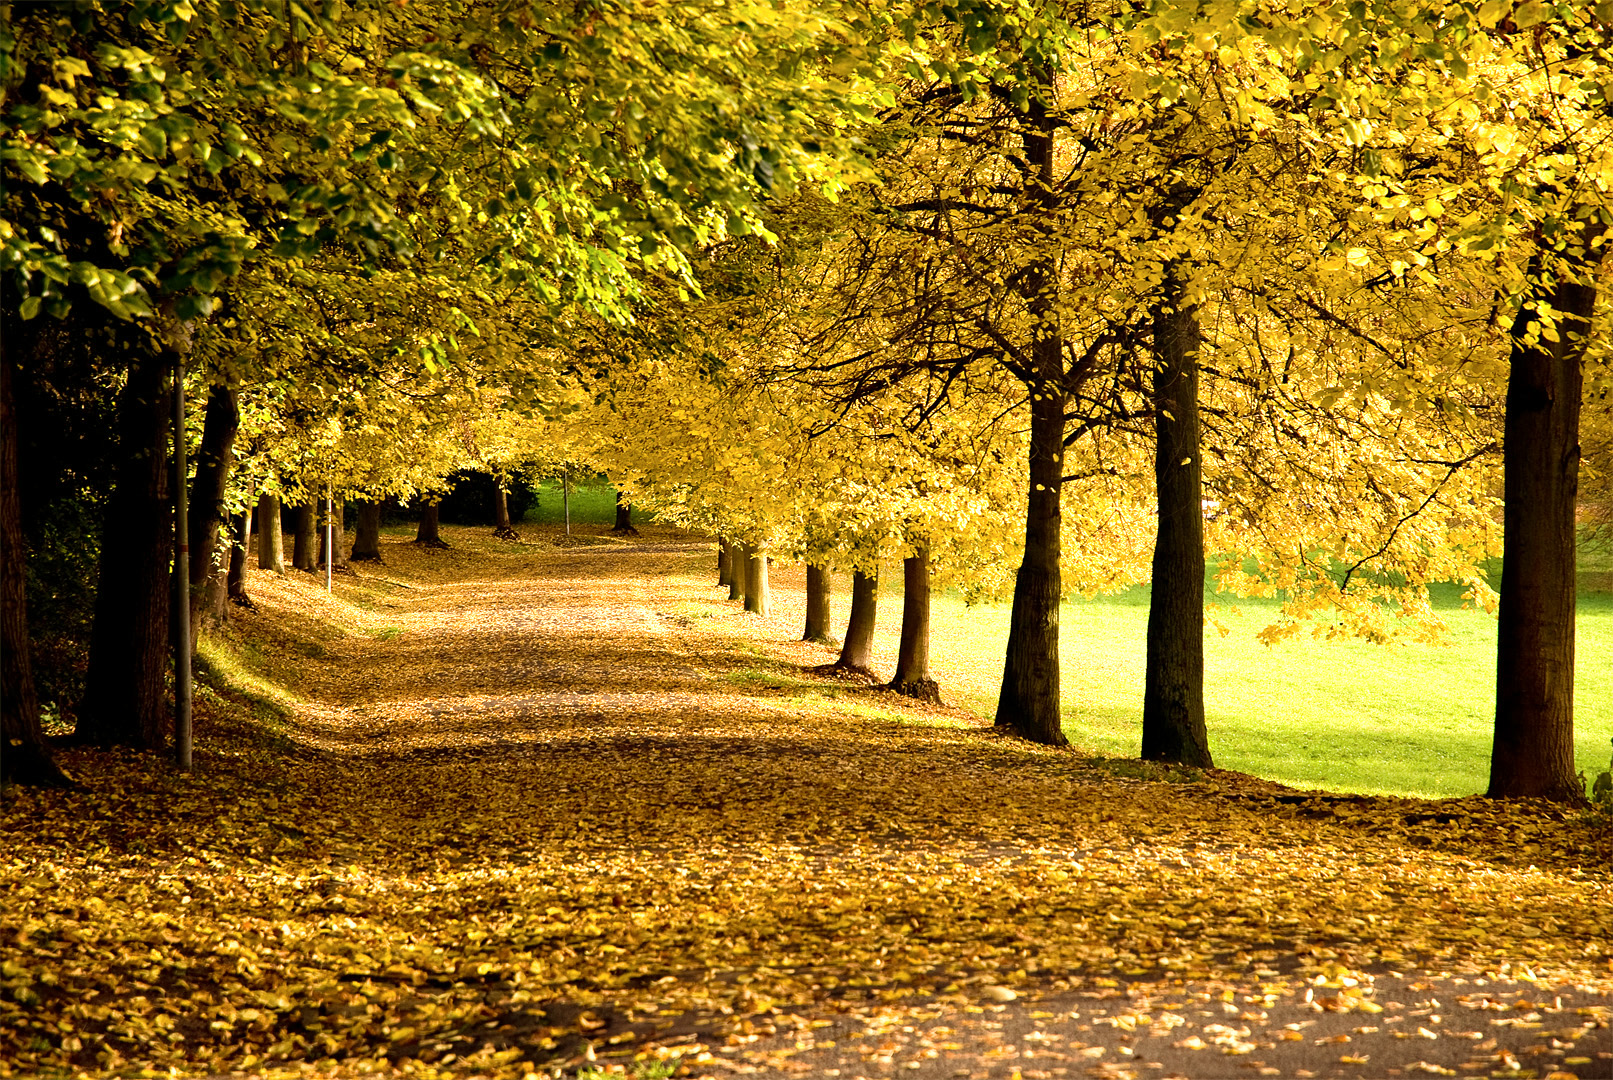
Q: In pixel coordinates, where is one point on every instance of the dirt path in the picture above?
(541, 807)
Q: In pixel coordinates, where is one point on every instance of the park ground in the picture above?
(557, 807)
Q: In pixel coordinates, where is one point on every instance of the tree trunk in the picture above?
(1028, 705)
(24, 754)
(1173, 685)
(817, 605)
(857, 653)
(216, 456)
(1533, 754)
(725, 572)
(738, 558)
(304, 544)
(758, 597)
(624, 518)
(241, 543)
(427, 534)
(338, 523)
(125, 701)
(501, 515)
(367, 540)
(913, 658)
(271, 535)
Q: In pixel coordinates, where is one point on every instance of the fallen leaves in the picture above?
(539, 827)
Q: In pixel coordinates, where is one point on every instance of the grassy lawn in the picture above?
(1342, 715)
(590, 505)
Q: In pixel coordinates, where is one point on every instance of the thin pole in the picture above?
(330, 532)
(565, 488)
(182, 687)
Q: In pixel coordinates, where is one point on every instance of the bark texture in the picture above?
(338, 516)
(913, 658)
(24, 754)
(624, 518)
(1028, 705)
(1173, 684)
(857, 651)
(221, 420)
(304, 544)
(758, 597)
(428, 534)
(725, 570)
(125, 700)
(235, 577)
(271, 535)
(738, 557)
(501, 516)
(1533, 753)
(817, 605)
(367, 539)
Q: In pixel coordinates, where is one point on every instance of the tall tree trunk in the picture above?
(624, 518)
(430, 524)
(501, 515)
(1028, 705)
(125, 700)
(913, 658)
(1533, 754)
(817, 605)
(738, 557)
(857, 652)
(304, 544)
(24, 755)
(1173, 685)
(758, 597)
(367, 541)
(338, 531)
(271, 535)
(240, 546)
(725, 571)
(214, 459)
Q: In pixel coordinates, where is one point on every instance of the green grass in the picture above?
(591, 504)
(1412, 719)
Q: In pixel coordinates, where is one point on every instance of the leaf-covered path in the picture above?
(534, 807)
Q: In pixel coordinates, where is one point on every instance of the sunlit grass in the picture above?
(1412, 719)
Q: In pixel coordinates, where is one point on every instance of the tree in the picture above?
(913, 658)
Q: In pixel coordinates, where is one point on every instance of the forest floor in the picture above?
(532, 808)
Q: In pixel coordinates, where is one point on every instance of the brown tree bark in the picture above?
(125, 701)
(1173, 683)
(1533, 752)
(216, 456)
(1028, 705)
(725, 572)
(857, 651)
(427, 535)
(271, 535)
(913, 658)
(367, 540)
(235, 576)
(304, 543)
(738, 556)
(501, 515)
(817, 605)
(624, 518)
(338, 520)
(24, 755)
(758, 597)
